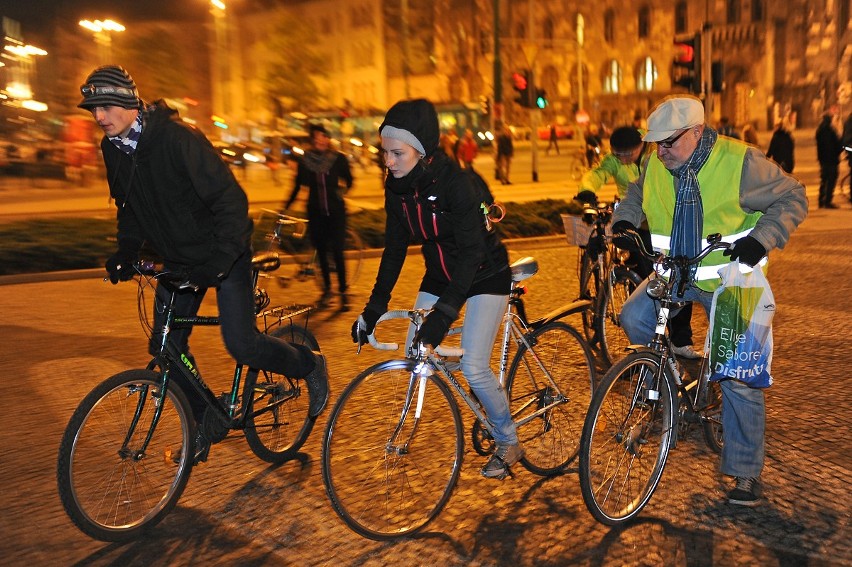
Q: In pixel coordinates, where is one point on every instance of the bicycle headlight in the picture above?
(656, 288)
(589, 216)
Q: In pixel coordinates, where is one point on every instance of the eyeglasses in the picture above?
(92, 90)
(670, 142)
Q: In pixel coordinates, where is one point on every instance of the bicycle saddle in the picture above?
(524, 268)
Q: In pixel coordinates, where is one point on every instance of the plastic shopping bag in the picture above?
(740, 336)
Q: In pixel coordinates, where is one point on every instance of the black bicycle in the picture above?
(129, 448)
(641, 406)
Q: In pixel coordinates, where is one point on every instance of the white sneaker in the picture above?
(687, 351)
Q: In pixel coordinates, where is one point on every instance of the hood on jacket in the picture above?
(414, 122)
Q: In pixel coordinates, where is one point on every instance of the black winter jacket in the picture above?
(178, 195)
(437, 207)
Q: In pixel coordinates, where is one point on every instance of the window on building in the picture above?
(644, 28)
(609, 25)
(756, 10)
(547, 32)
(612, 77)
(681, 22)
(733, 11)
(520, 31)
(646, 75)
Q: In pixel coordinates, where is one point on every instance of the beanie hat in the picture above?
(109, 85)
(414, 122)
(625, 138)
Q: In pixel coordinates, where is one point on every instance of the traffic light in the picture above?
(686, 68)
(484, 104)
(540, 98)
(521, 83)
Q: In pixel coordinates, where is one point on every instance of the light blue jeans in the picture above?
(743, 409)
(483, 314)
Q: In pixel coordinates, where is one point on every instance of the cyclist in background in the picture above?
(627, 154)
(174, 193)
(429, 200)
(327, 174)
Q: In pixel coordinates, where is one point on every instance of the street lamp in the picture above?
(220, 72)
(102, 31)
(22, 57)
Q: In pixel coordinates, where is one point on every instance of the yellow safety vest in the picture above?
(719, 181)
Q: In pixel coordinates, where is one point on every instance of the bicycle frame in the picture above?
(170, 357)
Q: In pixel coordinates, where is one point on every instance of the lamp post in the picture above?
(219, 65)
(102, 31)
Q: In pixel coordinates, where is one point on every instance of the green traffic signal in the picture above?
(541, 98)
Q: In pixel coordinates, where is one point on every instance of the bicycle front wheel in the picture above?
(278, 421)
(110, 488)
(709, 405)
(557, 375)
(387, 471)
(589, 286)
(626, 439)
(611, 336)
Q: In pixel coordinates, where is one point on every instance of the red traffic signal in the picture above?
(684, 53)
(519, 81)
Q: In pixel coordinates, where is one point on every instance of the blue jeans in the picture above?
(743, 409)
(235, 298)
(479, 331)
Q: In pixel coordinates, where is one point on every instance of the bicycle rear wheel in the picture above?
(551, 440)
(278, 421)
(611, 336)
(387, 472)
(110, 490)
(626, 439)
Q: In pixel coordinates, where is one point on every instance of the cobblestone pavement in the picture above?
(62, 337)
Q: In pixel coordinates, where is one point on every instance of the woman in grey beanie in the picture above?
(430, 201)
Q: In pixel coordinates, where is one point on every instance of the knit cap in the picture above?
(414, 122)
(109, 85)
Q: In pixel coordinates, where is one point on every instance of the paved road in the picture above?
(62, 337)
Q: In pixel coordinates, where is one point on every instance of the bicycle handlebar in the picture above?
(416, 316)
(285, 219)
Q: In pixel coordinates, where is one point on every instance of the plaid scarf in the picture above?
(127, 144)
(688, 223)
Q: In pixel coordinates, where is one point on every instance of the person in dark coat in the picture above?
(828, 154)
(782, 148)
(174, 192)
(328, 176)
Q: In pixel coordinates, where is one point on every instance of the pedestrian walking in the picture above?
(553, 141)
(781, 147)
(176, 195)
(698, 183)
(828, 154)
(327, 174)
(467, 149)
(505, 152)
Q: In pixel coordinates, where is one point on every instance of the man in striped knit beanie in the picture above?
(174, 193)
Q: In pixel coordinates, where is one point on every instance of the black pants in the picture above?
(235, 298)
(328, 234)
(828, 174)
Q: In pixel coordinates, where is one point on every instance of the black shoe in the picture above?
(746, 493)
(317, 382)
(202, 449)
(830, 206)
(344, 302)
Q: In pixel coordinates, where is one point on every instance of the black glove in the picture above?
(623, 242)
(119, 266)
(747, 250)
(586, 197)
(364, 325)
(434, 328)
(204, 276)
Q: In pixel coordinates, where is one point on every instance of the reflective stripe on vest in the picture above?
(719, 180)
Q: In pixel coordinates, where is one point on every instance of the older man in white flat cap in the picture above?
(698, 183)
